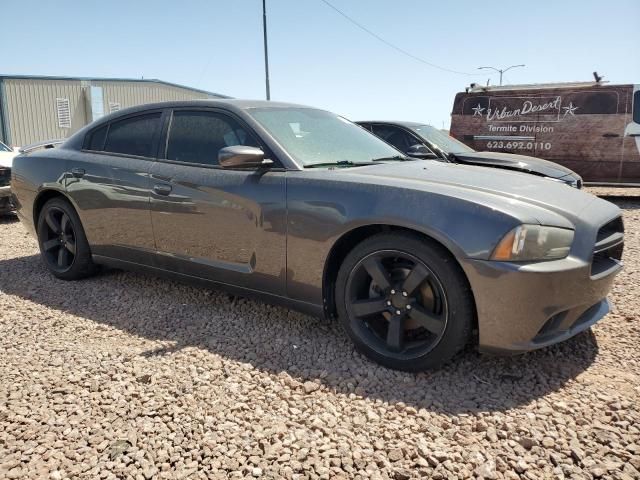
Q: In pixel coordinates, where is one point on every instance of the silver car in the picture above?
(6, 158)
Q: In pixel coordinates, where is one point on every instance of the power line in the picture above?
(391, 45)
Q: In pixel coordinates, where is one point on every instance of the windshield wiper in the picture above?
(395, 158)
(340, 163)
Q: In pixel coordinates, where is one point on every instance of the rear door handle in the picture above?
(610, 135)
(77, 172)
(162, 189)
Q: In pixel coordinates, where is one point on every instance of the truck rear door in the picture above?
(586, 137)
(631, 156)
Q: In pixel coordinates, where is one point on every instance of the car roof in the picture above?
(400, 123)
(232, 103)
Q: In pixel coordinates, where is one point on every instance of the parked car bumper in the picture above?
(526, 307)
(6, 204)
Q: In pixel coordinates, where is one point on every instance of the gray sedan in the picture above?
(299, 206)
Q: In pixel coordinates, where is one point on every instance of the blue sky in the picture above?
(319, 58)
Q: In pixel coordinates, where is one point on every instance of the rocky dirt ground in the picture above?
(127, 376)
(615, 191)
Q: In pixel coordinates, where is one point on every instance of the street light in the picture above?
(501, 70)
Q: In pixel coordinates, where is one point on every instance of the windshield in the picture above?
(4, 148)
(445, 142)
(313, 136)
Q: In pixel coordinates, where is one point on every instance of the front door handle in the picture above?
(78, 172)
(162, 189)
(610, 135)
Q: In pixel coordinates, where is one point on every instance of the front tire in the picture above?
(63, 245)
(404, 301)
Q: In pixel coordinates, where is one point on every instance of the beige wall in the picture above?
(31, 109)
(130, 94)
(31, 104)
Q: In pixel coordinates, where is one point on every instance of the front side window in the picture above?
(198, 136)
(133, 136)
(397, 137)
(313, 136)
(636, 107)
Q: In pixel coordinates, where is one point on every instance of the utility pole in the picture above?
(266, 51)
(501, 70)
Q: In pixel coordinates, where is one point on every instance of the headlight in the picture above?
(534, 242)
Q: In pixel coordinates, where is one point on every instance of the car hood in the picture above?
(524, 195)
(513, 161)
(6, 159)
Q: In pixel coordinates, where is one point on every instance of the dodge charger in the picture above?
(299, 206)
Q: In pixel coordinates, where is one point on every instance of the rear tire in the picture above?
(63, 245)
(404, 301)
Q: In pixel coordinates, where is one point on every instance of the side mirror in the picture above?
(242, 156)
(420, 151)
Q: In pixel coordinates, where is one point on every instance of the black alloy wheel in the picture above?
(397, 304)
(405, 301)
(63, 244)
(59, 240)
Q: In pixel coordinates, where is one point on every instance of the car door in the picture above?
(631, 159)
(220, 224)
(581, 131)
(109, 184)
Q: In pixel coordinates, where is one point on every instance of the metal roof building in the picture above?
(38, 108)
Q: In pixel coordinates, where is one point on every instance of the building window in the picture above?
(97, 103)
(114, 107)
(63, 110)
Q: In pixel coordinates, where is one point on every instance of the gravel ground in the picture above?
(127, 376)
(615, 192)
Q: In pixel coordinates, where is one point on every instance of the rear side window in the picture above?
(197, 136)
(133, 136)
(636, 107)
(96, 139)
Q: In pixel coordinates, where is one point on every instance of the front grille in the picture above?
(614, 226)
(607, 252)
(5, 176)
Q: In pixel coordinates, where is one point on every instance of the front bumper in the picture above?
(6, 205)
(526, 307)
